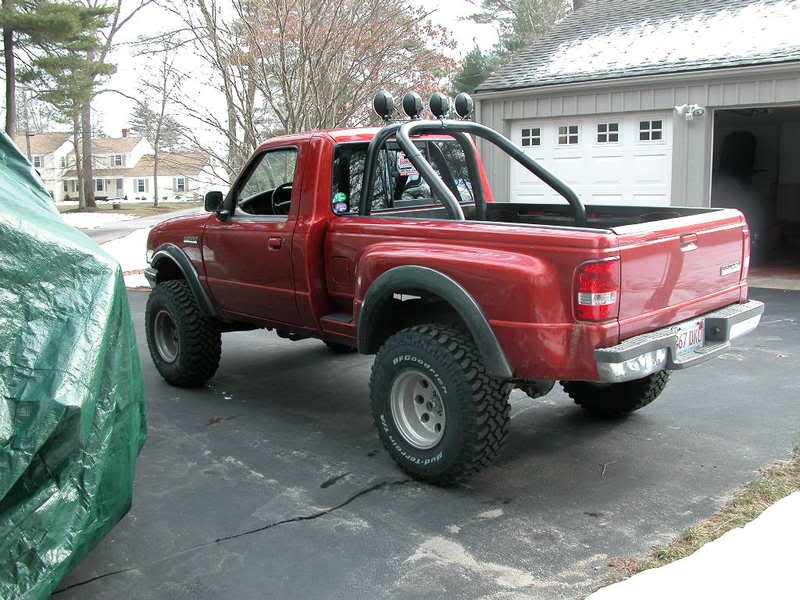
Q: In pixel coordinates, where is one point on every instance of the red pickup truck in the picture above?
(389, 242)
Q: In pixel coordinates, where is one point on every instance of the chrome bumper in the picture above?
(150, 275)
(649, 352)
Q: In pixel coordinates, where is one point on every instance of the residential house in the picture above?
(122, 168)
(655, 102)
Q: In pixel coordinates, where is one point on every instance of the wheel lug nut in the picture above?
(425, 417)
(419, 399)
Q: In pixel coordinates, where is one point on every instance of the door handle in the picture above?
(275, 243)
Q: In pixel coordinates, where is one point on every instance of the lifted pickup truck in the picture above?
(388, 241)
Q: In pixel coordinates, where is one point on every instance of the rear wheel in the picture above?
(440, 415)
(184, 344)
(616, 400)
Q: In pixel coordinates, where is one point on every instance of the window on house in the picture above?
(141, 186)
(532, 136)
(180, 184)
(37, 161)
(568, 134)
(118, 160)
(99, 185)
(66, 186)
(650, 131)
(63, 162)
(120, 186)
(607, 133)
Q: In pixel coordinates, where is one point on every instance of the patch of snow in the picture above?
(446, 553)
(491, 514)
(454, 529)
(758, 560)
(130, 252)
(93, 220)
(757, 29)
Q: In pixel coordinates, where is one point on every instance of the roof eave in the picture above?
(666, 77)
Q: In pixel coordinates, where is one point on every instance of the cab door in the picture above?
(247, 257)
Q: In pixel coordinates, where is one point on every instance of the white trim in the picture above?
(635, 80)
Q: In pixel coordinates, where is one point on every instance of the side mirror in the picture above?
(214, 200)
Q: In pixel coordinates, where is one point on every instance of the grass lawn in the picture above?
(140, 209)
(775, 482)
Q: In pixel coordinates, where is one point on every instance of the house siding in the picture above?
(692, 140)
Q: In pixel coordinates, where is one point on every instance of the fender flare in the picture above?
(173, 253)
(430, 280)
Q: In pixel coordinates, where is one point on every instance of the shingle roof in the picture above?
(41, 143)
(109, 145)
(608, 39)
(188, 164)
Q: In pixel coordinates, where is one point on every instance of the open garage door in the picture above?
(756, 169)
(606, 159)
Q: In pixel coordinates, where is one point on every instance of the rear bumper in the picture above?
(649, 352)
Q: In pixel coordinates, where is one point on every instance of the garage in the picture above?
(756, 168)
(606, 159)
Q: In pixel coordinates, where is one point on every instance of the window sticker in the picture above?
(340, 204)
(404, 166)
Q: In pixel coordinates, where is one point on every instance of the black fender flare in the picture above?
(175, 254)
(429, 280)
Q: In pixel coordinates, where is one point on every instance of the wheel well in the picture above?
(405, 308)
(167, 270)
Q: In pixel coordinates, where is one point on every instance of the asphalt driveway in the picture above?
(271, 481)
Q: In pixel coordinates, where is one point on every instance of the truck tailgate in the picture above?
(674, 269)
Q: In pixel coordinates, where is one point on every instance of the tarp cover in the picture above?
(72, 416)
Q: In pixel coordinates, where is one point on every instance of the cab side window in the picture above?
(268, 187)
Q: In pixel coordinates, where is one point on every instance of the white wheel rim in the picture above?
(417, 409)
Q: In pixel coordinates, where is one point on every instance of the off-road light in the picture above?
(440, 105)
(383, 104)
(464, 105)
(412, 105)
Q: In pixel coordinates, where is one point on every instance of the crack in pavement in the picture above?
(311, 517)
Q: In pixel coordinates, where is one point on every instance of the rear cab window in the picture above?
(398, 187)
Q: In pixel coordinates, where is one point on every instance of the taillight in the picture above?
(597, 290)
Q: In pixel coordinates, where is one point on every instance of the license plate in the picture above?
(690, 336)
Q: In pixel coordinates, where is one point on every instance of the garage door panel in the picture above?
(602, 170)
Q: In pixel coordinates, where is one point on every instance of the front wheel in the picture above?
(616, 400)
(439, 414)
(184, 344)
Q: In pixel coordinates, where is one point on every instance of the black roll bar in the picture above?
(371, 161)
(403, 134)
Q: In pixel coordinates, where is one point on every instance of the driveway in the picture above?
(101, 235)
(271, 482)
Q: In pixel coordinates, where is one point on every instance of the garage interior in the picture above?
(756, 169)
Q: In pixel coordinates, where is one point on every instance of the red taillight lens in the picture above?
(597, 290)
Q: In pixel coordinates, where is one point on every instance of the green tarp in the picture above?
(72, 417)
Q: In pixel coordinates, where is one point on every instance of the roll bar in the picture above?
(458, 129)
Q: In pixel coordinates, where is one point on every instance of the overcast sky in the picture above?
(113, 110)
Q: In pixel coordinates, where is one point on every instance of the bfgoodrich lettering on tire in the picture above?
(185, 345)
(439, 414)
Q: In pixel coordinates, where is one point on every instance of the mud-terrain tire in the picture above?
(185, 345)
(437, 371)
(616, 400)
(340, 348)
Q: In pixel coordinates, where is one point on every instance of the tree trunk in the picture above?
(76, 128)
(11, 76)
(87, 184)
(155, 177)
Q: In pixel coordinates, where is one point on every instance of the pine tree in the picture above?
(40, 27)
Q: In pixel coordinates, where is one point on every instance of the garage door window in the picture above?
(568, 134)
(532, 137)
(650, 131)
(607, 133)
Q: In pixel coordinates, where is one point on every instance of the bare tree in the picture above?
(284, 66)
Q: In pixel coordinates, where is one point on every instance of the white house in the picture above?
(123, 168)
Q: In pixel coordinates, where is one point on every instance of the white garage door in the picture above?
(606, 159)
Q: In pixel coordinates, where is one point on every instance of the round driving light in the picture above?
(383, 104)
(412, 105)
(464, 105)
(440, 105)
